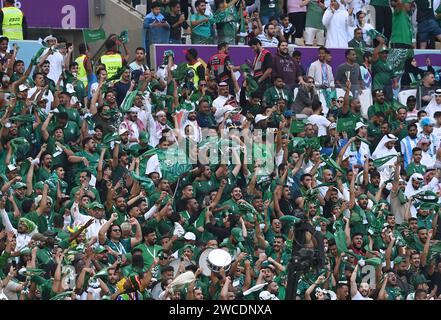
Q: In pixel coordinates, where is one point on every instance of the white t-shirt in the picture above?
(268, 42)
(358, 296)
(47, 95)
(321, 122)
(57, 63)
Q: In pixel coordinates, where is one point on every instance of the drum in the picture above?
(218, 259)
(203, 262)
(157, 290)
(68, 278)
(175, 264)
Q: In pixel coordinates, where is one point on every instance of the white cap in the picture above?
(266, 295)
(23, 87)
(74, 100)
(70, 88)
(333, 125)
(190, 236)
(11, 167)
(49, 37)
(259, 118)
(122, 130)
(134, 109)
(359, 125)
(38, 199)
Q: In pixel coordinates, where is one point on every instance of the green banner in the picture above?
(93, 35)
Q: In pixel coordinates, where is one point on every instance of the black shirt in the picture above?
(121, 91)
(175, 33)
(424, 10)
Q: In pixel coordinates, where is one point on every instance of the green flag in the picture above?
(124, 36)
(380, 161)
(173, 163)
(91, 35)
(346, 124)
(128, 101)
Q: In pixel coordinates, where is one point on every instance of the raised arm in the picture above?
(103, 231)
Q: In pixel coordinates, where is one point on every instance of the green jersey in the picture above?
(314, 16)
(383, 74)
(401, 28)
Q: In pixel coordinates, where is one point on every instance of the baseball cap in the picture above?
(259, 118)
(95, 205)
(333, 125)
(190, 236)
(237, 234)
(359, 125)
(11, 167)
(288, 113)
(23, 87)
(19, 185)
(384, 49)
(144, 137)
(49, 37)
(438, 92)
(122, 130)
(266, 295)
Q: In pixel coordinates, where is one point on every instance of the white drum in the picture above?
(218, 259)
(175, 264)
(203, 262)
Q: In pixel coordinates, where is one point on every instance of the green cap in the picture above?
(428, 206)
(237, 234)
(95, 205)
(100, 249)
(19, 185)
(418, 279)
(144, 137)
(362, 196)
(323, 219)
(266, 264)
(248, 217)
(25, 250)
(188, 246)
(39, 185)
(399, 260)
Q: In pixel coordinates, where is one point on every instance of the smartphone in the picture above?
(14, 264)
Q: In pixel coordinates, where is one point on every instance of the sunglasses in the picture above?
(163, 258)
(116, 230)
(311, 82)
(202, 84)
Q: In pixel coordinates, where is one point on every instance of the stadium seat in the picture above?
(366, 101)
(403, 95)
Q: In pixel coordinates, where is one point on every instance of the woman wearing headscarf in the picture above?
(411, 73)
